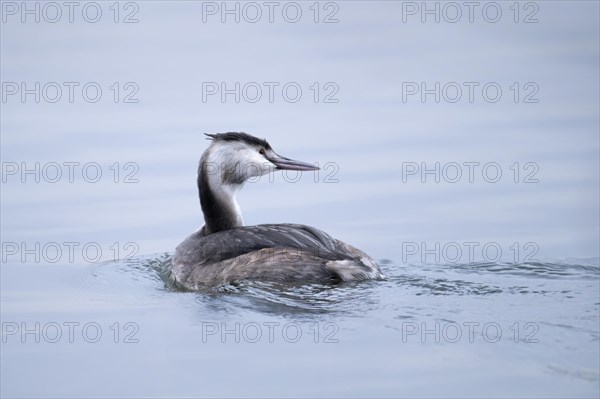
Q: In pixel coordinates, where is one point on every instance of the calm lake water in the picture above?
(477, 330)
(459, 147)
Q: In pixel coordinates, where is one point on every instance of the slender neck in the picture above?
(221, 211)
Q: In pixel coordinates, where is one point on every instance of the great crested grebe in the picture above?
(225, 251)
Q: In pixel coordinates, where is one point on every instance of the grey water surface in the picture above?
(466, 330)
(481, 208)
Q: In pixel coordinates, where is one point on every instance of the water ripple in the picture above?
(349, 299)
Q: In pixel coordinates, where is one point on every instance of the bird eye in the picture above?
(261, 151)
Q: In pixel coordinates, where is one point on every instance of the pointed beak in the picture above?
(283, 163)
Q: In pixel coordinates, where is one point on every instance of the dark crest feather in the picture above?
(239, 136)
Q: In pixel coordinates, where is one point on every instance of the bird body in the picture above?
(226, 251)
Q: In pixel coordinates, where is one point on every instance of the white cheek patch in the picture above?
(241, 160)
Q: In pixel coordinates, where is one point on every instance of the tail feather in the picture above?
(353, 269)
